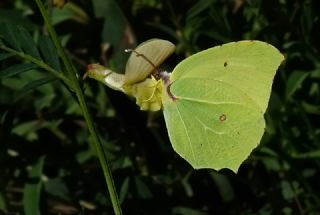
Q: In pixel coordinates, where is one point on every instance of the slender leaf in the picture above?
(114, 30)
(199, 7)
(311, 108)
(142, 189)
(57, 187)
(27, 130)
(9, 33)
(49, 52)
(294, 82)
(32, 190)
(16, 69)
(2, 204)
(27, 43)
(179, 210)
(33, 85)
(16, 17)
(124, 190)
(224, 186)
(60, 15)
(4, 56)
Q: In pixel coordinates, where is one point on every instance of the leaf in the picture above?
(310, 108)
(2, 204)
(143, 191)
(4, 56)
(115, 21)
(16, 17)
(57, 187)
(27, 129)
(294, 82)
(70, 11)
(224, 186)
(60, 15)
(9, 33)
(179, 210)
(27, 43)
(115, 31)
(32, 190)
(168, 30)
(290, 189)
(199, 7)
(48, 51)
(32, 85)
(124, 190)
(17, 69)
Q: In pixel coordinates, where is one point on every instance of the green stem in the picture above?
(72, 75)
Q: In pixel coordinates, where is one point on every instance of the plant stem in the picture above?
(72, 75)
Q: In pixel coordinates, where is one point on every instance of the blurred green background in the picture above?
(41, 125)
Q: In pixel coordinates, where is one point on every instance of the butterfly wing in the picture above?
(138, 68)
(221, 95)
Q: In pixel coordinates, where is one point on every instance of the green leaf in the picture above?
(70, 11)
(310, 108)
(84, 156)
(294, 82)
(9, 33)
(4, 56)
(186, 211)
(27, 129)
(142, 189)
(115, 21)
(16, 17)
(17, 69)
(32, 190)
(199, 7)
(33, 85)
(124, 190)
(114, 29)
(27, 43)
(290, 189)
(2, 203)
(60, 15)
(170, 31)
(57, 187)
(48, 50)
(315, 154)
(224, 186)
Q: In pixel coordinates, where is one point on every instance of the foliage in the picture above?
(40, 116)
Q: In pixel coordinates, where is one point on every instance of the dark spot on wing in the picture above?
(225, 64)
(222, 117)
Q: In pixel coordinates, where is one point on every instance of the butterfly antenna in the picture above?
(156, 73)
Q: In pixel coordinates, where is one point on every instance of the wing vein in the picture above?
(185, 128)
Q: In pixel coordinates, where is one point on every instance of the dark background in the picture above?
(280, 177)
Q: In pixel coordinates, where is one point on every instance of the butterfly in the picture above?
(213, 101)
